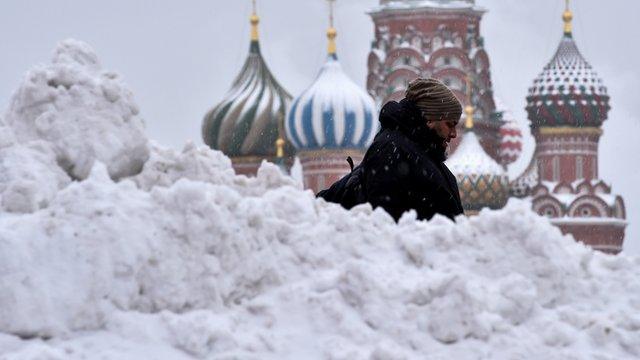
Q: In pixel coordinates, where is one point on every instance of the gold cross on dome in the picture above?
(331, 4)
(567, 16)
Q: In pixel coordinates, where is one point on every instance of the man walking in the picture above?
(404, 166)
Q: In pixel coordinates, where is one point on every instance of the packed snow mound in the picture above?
(29, 178)
(166, 166)
(29, 175)
(84, 112)
(115, 249)
(257, 268)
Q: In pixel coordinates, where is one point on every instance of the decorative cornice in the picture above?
(251, 159)
(566, 130)
(594, 221)
(434, 10)
(329, 153)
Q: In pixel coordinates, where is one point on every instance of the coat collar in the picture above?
(407, 118)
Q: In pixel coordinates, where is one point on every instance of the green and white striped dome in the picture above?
(250, 118)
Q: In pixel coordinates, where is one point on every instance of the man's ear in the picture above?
(431, 124)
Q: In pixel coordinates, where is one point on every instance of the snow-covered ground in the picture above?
(113, 247)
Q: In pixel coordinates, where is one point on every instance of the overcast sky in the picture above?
(180, 57)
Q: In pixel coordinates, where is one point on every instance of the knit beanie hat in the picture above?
(434, 99)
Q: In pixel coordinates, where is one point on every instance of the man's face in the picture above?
(446, 129)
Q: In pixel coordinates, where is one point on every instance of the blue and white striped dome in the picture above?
(333, 113)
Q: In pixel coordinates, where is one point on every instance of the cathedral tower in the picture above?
(439, 39)
(248, 125)
(567, 105)
(330, 120)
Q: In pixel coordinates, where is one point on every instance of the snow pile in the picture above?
(186, 260)
(211, 268)
(165, 167)
(82, 112)
(29, 178)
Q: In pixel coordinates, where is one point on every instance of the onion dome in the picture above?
(482, 182)
(510, 140)
(568, 92)
(250, 119)
(333, 113)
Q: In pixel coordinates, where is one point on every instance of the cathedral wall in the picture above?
(323, 168)
(604, 237)
(567, 157)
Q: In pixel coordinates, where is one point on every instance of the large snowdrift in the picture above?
(164, 254)
(83, 112)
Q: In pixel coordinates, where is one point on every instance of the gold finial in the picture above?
(331, 33)
(567, 16)
(280, 147)
(254, 22)
(469, 108)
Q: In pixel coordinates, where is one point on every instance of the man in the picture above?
(404, 166)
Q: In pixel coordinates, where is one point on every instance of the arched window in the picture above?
(556, 168)
(406, 60)
(579, 167)
(436, 43)
(416, 42)
(549, 211)
(399, 84)
(453, 82)
(448, 61)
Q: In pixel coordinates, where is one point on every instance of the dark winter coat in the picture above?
(405, 169)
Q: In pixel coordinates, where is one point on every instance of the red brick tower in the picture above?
(567, 105)
(440, 39)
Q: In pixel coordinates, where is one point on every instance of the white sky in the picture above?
(180, 57)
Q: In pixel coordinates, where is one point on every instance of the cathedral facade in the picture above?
(334, 118)
(439, 39)
(566, 107)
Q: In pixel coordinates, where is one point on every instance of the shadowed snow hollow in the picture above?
(186, 260)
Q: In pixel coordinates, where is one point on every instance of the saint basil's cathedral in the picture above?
(334, 118)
